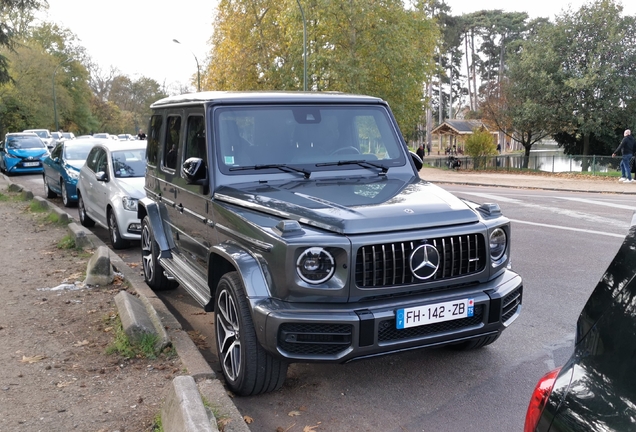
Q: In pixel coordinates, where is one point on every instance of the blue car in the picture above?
(22, 152)
(61, 169)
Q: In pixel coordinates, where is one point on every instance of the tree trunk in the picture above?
(585, 163)
(470, 95)
(472, 52)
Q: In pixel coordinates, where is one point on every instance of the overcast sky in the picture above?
(135, 36)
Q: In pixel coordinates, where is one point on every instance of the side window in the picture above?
(195, 138)
(57, 152)
(91, 160)
(153, 137)
(170, 151)
(102, 161)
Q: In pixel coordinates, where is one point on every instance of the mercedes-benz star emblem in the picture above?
(424, 261)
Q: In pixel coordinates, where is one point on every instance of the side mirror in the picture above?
(101, 176)
(194, 171)
(416, 160)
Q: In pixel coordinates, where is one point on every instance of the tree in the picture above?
(360, 46)
(480, 146)
(523, 103)
(13, 19)
(595, 48)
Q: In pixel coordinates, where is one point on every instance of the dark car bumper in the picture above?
(341, 333)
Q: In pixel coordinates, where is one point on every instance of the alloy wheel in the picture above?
(228, 335)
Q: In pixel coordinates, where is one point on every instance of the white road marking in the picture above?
(569, 228)
(598, 220)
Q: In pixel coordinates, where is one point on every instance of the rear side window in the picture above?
(173, 138)
(154, 137)
(195, 138)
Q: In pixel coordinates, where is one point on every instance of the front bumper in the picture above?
(341, 333)
(16, 166)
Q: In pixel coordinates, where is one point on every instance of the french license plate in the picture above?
(434, 313)
(30, 164)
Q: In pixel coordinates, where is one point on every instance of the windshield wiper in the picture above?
(282, 167)
(362, 163)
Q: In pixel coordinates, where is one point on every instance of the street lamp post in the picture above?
(198, 69)
(57, 126)
(302, 14)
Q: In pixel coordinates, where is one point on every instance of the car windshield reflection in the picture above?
(129, 163)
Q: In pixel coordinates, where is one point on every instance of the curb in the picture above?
(187, 390)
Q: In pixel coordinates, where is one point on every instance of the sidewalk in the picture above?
(564, 181)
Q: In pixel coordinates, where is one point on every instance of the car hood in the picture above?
(354, 206)
(24, 153)
(132, 186)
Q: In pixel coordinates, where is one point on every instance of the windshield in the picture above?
(25, 142)
(41, 133)
(67, 135)
(129, 163)
(77, 151)
(254, 140)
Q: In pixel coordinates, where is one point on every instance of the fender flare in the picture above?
(249, 268)
(148, 207)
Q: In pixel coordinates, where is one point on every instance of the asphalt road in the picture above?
(562, 243)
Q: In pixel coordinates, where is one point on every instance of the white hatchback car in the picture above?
(110, 184)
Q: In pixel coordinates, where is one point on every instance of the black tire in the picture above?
(65, 199)
(153, 272)
(113, 231)
(248, 369)
(475, 343)
(47, 190)
(83, 217)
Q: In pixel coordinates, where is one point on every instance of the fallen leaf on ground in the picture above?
(198, 339)
(310, 428)
(199, 313)
(134, 265)
(294, 413)
(34, 359)
(248, 419)
(81, 343)
(64, 384)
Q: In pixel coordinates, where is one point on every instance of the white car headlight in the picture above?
(498, 243)
(129, 203)
(315, 265)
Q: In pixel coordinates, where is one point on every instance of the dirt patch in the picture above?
(56, 373)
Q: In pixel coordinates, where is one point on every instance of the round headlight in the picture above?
(315, 265)
(497, 244)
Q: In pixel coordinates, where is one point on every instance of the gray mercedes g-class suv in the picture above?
(301, 221)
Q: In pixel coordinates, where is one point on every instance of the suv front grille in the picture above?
(387, 331)
(386, 265)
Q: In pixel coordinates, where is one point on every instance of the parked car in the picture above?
(126, 137)
(596, 388)
(301, 221)
(110, 184)
(45, 135)
(68, 135)
(62, 166)
(22, 152)
(57, 137)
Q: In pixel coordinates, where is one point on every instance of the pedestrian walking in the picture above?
(141, 135)
(428, 149)
(627, 150)
(420, 151)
